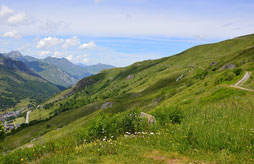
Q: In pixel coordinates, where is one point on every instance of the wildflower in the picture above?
(21, 159)
(151, 133)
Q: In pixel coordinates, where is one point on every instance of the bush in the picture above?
(107, 126)
(48, 105)
(168, 115)
(2, 134)
(229, 76)
(226, 76)
(202, 75)
(237, 71)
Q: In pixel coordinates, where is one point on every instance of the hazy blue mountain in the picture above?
(67, 66)
(57, 71)
(97, 68)
(82, 65)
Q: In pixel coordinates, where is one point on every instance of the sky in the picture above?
(119, 32)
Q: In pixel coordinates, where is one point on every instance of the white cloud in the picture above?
(74, 41)
(43, 53)
(24, 47)
(86, 60)
(52, 26)
(49, 42)
(70, 57)
(82, 58)
(13, 18)
(90, 44)
(5, 11)
(16, 19)
(12, 34)
(57, 54)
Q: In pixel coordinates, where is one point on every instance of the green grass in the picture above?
(214, 134)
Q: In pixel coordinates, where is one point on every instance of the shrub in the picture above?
(237, 71)
(2, 134)
(48, 105)
(107, 126)
(168, 115)
(226, 76)
(202, 75)
(229, 76)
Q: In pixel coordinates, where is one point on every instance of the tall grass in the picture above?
(228, 125)
(225, 126)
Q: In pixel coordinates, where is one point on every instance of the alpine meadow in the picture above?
(176, 85)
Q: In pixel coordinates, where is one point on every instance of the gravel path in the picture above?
(27, 116)
(242, 81)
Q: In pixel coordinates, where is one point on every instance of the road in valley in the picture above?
(27, 116)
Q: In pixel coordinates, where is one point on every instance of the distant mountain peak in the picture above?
(50, 58)
(19, 65)
(14, 54)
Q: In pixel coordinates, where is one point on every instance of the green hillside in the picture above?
(18, 83)
(202, 116)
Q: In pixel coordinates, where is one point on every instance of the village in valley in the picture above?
(8, 118)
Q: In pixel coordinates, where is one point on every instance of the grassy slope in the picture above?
(58, 77)
(17, 86)
(154, 85)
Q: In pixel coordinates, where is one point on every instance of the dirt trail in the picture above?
(27, 116)
(242, 81)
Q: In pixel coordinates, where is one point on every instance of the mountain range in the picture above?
(94, 69)
(28, 80)
(59, 71)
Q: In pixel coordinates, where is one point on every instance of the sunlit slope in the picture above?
(16, 86)
(207, 71)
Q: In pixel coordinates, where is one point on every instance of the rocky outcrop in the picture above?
(107, 105)
(228, 66)
(179, 78)
(83, 84)
(213, 63)
(129, 77)
(151, 119)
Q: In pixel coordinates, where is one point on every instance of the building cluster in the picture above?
(8, 117)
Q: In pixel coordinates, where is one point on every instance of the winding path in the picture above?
(27, 116)
(242, 81)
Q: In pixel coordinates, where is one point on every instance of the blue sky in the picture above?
(119, 32)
